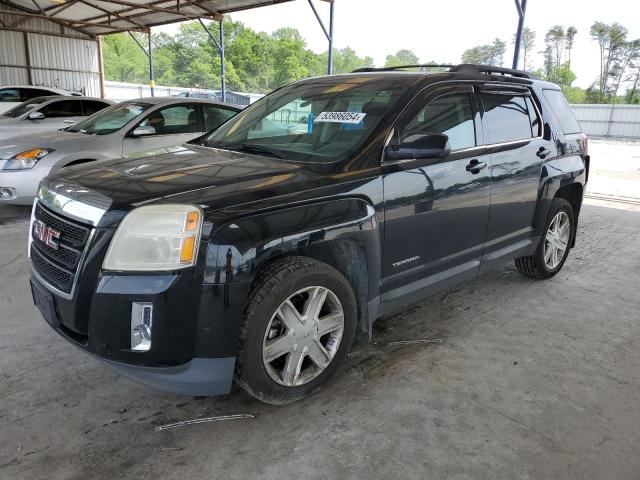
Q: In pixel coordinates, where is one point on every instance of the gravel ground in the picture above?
(533, 380)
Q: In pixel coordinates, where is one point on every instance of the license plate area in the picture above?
(43, 299)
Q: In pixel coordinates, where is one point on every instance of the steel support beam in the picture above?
(152, 74)
(222, 63)
(328, 34)
(149, 54)
(220, 46)
(521, 6)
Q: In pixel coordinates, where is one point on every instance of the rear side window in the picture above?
(89, 107)
(562, 111)
(536, 124)
(506, 117)
(216, 116)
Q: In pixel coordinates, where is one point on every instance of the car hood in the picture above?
(57, 140)
(209, 177)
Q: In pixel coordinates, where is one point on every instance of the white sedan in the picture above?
(13, 95)
(44, 114)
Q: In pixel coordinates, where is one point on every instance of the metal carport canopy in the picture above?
(102, 17)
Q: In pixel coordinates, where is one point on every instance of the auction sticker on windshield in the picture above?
(340, 117)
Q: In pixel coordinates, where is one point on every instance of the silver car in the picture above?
(43, 114)
(12, 95)
(122, 129)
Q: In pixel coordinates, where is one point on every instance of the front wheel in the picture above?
(298, 328)
(554, 246)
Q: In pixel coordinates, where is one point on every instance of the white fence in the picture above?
(119, 91)
(620, 121)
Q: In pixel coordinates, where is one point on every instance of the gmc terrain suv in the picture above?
(261, 250)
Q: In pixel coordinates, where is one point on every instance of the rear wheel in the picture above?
(298, 328)
(554, 246)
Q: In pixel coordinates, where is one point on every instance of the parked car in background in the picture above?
(13, 95)
(48, 113)
(259, 254)
(206, 95)
(125, 128)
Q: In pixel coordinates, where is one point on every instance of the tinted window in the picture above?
(450, 115)
(562, 111)
(534, 119)
(173, 119)
(506, 118)
(10, 95)
(216, 116)
(29, 93)
(64, 108)
(89, 107)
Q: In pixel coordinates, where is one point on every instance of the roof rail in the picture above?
(490, 69)
(401, 67)
(463, 68)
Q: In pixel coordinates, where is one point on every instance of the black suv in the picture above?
(261, 250)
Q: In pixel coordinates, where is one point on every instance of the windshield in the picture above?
(110, 120)
(23, 108)
(322, 120)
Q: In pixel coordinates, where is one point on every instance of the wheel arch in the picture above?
(342, 233)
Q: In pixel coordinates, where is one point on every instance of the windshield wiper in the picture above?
(248, 148)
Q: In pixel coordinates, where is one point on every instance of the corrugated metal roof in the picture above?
(101, 17)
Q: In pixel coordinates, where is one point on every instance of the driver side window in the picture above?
(450, 115)
(173, 119)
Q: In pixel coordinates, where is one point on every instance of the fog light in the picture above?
(7, 193)
(141, 320)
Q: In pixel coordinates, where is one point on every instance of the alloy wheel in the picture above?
(557, 240)
(303, 336)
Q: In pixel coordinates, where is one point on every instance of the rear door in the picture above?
(436, 210)
(174, 125)
(513, 131)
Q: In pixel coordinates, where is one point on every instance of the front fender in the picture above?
(239, 247)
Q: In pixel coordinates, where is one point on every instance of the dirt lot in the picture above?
(533, 380)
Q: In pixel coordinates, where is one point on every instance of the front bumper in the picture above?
(198, 377)
(19, 187)
(194, 333)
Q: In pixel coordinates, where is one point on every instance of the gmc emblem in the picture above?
(45, 234)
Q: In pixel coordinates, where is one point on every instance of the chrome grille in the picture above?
(58, 266)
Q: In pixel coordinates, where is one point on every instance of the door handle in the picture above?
(475, 166)
(543, 152)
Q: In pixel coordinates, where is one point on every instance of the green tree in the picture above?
(123, 59)
(611, 42)
(401, 57)
(491, 54)
(527, 42)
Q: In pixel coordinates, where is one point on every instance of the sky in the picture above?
(441, 30)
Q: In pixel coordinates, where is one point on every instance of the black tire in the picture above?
(534, 265)
(276, 283)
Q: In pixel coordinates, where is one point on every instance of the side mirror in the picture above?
(36, 116)
(143, 131)
(432, 145)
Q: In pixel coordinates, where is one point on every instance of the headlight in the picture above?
(26, 159)
(156, 237)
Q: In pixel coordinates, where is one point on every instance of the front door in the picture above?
(173, 124)
(436, 210)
